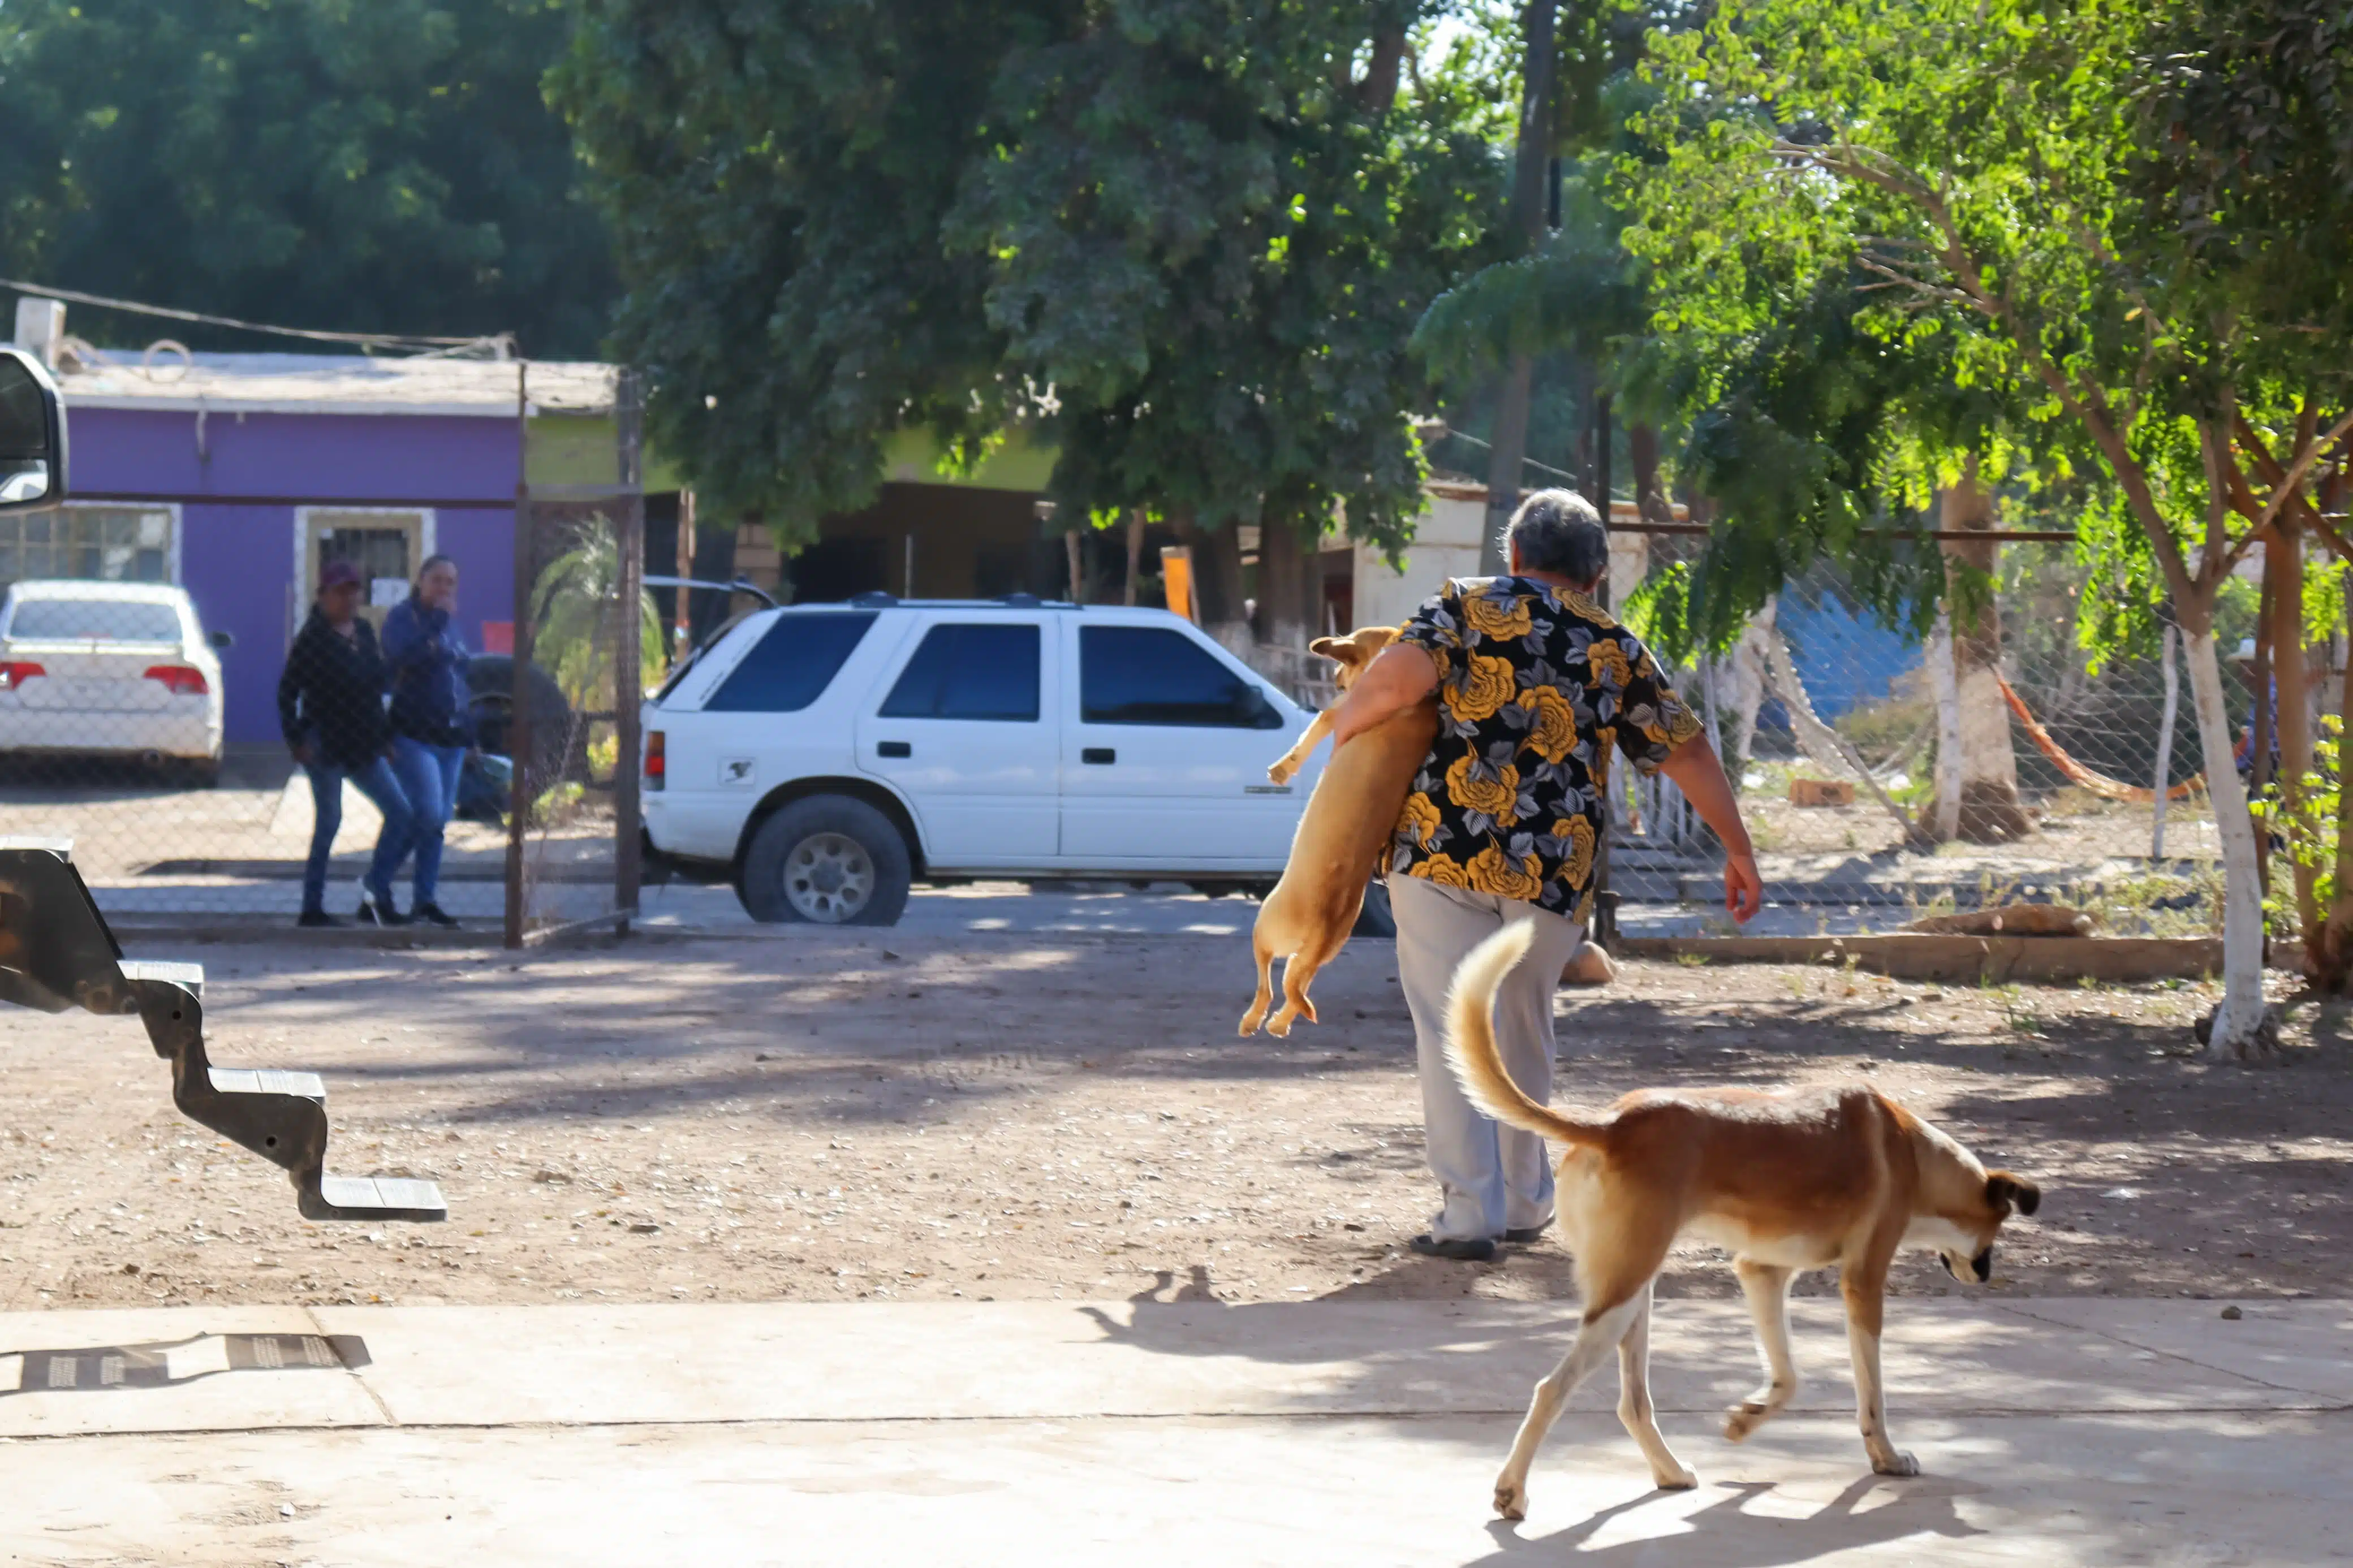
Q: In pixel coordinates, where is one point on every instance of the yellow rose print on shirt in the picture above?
(1552, 727)
(1444, 871)
(1605, 741)
(1491, 872)
(1606, 659)
(1495, 614)
(1578, 834)
(1498, 798)
(1418, 820)
(1487, 684)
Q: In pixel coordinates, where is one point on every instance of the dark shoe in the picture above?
(1526, 1233)
(313, 919)
(1468, 1249)
(380, 912)
(432, 912)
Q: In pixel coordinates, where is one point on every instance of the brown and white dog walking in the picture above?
(1783, 1182)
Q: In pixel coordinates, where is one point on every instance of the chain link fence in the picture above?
(414, 775)
(1831, 720)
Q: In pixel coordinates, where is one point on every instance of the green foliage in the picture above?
(575, 603)
(380, 167)
(1183, 241)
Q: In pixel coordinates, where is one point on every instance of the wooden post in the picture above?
(519, 710)
(1134, 551)
(1078, 568)
(2260, 742)
(2165, 741)
(628, 669)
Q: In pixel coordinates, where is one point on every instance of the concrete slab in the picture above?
(2049, 1492)
(2303, 1347)
(174, 1370)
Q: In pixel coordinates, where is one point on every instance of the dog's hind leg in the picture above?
(1298, 974)
(1264, 957)
(1603, 1329)
(1864, 1286)
(1767, 1286)
(1634, 1407)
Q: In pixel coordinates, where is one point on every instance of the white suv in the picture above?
(825, 757)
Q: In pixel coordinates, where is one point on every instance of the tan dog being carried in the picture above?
(1783, 1182)
(1341, 836)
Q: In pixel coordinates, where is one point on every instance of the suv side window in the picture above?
(985, 670)
(792, 664)
(1145, 674)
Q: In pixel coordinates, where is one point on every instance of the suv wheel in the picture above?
(827, 860)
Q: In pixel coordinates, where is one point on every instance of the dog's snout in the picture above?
(1982, 1265)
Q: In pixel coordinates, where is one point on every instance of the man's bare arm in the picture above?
(1400, 676)
(1694, 769)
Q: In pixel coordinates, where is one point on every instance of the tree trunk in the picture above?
(2163, 786)
(1539, 29)
(1135, 552)
(1990, 810)
(1642, 453)
(1217, 582)
(1944, 816)
(2330, 959)
(1285, 560)
(2236, 1032)
(1747, 683)
(2283, 575)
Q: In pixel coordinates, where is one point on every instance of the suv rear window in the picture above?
(970, 670)
(1143, 675)
(792, 664)
(94, 620)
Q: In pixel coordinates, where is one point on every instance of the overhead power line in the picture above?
(502, 344)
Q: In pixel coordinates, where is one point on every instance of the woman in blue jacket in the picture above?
(432, 721)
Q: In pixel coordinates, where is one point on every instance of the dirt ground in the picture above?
(887, 1115)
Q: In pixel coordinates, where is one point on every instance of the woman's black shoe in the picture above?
(433, 913)
(1462, 1249)
(372, 913)
(316, 918)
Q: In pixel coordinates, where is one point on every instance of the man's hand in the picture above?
(1744, 889)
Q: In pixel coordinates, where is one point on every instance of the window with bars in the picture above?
(105, 544)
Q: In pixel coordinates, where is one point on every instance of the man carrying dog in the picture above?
(1535, 685)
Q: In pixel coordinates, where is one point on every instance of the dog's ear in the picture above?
(2006, 1190)
(1330, 647)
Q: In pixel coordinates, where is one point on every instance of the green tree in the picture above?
(776, 176)
(1211, 226)
(1985, 162)
(378, 167)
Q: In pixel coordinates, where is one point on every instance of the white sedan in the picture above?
(111, 669)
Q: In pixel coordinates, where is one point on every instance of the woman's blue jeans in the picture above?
(429, 776)
(379, 783)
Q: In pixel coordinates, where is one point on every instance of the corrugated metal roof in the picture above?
(331, 383)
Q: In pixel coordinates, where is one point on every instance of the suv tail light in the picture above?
(13, 676)
(180, 679)
(657, 759)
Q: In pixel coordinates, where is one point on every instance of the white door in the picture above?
(961, 727)
(1165, 754)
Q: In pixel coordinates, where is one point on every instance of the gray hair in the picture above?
(1558, 531)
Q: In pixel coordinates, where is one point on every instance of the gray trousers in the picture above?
(1493, 1178)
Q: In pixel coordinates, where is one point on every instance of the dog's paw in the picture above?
(1279, 1025)
(1511, 1499)
(1281, 774)
(1679, 1480)
(1249, 1026)
(1743, 1418)
(1896, 1464)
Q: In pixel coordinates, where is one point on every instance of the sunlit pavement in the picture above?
(1178, 1432)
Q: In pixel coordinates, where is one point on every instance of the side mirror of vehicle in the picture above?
(224, 641)
(32, 434)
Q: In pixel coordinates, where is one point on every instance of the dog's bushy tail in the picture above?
(1470, 1042)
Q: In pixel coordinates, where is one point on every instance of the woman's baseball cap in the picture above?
(338, 574)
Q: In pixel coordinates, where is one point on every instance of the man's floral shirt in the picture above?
(1536, 686)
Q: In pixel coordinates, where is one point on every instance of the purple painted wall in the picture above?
(238, 561)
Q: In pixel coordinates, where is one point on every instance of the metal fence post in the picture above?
(519, 713)
(629, 672)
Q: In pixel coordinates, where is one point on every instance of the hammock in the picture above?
(2084, 777)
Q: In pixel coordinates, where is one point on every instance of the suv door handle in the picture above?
(1098, 754)
(893, 748)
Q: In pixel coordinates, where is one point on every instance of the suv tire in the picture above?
(826, 860)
